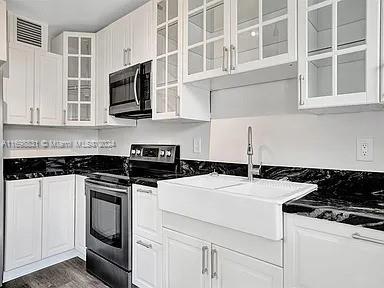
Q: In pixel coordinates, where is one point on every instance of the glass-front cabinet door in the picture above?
(79, 82)
(207, 39)
(263, 33)
(339, 46)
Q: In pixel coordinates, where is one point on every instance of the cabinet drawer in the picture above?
(147, 263)
(147, 217)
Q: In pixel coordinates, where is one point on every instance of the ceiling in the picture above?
(74, 15)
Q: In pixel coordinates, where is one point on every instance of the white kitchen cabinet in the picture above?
(80, 215)
(48, 88)
(147, 217)
(186, 261)
(227, 37)
(172, 99)
(232, 269)
(23, 218)
(3, 32)
(147, 263)
(319, 254)
(121, 50)
(58, 214)
(339, 53)
(78, 50)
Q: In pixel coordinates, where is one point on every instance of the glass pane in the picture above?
(193, 4)
(195, 27)
(86, 46)
(275, 39)
(320, 30)
(85, 90)
(273, 9)
(160, 76)
(73, 90)
(172, 9)
(351, 73)
(248, 43)
(215, 20)
(172, 69)
(85, 67)
(247, 13)
(195, 60)
(312, 2)
(320, 78)
(73, 45)
(172, 37)
(351, 23)
(73, 67)
(85, 112)
(161, 12)
(160, 101)
(172, 99)
(161, 40)
(73, 113)
(215, 54)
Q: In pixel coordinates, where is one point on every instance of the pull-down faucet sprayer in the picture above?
(251, 170)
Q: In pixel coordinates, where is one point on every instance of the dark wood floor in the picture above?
(69, 274)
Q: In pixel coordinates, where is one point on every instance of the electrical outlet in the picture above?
(197, 145)
(364, 149)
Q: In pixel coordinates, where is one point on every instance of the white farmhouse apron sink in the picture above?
(232, 202)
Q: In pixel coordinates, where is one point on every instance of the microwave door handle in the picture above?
(135, 86)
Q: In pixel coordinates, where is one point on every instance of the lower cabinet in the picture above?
(80, 215)
(194, 263)
(39, 219)
(320, 254)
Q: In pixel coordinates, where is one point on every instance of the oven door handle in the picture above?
(91, 185)
(135, 88)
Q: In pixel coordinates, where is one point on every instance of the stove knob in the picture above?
(138, 152)
(169, 153)
(162, 153)
(133, 152)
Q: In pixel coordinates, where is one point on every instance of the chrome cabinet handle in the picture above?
(64, 116)
(106, 115)
(124, 57)
(357, 236)
(148, 246)
(204, 260)
(214, 264)
(178, 105)
(301, 78)
(225, 59)
(135, 88)
(144, 191)
(40, 188)
(129, 56)
(31, 111)
(233, 57)
(38, 115)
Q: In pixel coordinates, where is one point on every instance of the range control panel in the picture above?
(155, 153)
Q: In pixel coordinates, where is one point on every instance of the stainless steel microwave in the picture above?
(130, 92)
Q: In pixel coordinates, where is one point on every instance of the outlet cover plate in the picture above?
(197, 145)
(364, 149)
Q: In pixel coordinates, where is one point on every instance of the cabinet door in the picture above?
(58, 214)
(322, 254)
(207, 39)
(19, 87)
(147, 263)
(263, 33)
(339, 55)
(48, 88)
(23, 211)
(3, 32)
(141, 34)
(147, 217)
(80, 215)
(186, 261)
(231, 269)
(121, 52)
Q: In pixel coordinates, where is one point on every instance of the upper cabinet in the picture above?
(121, 52)
(226, 37)
(339, 53)
(78, 50)
(172, 99)
(3, 32)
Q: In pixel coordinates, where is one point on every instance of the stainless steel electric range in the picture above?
(109, 210)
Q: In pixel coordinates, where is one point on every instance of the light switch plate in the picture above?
(364, 149)
(197, 145)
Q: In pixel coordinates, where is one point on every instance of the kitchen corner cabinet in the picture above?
(80, 215)
(232, 36)
(78, 50)
(3, 32)
(339, 48)
(171, 98)
(319, 254)
(33, 90)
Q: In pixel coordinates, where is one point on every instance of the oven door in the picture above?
(109, 222)
(124, 91)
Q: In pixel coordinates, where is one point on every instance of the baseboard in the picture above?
(44, 263)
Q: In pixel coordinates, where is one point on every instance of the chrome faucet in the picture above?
(251, 169)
